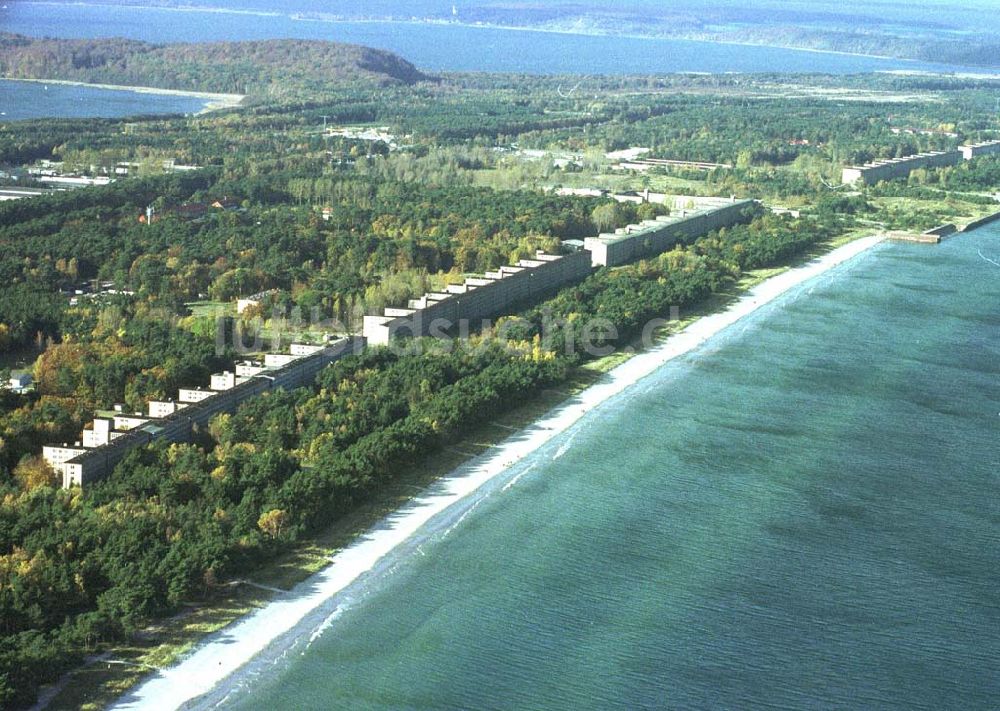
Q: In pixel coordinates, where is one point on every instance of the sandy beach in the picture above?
(215, 101)
(225, 652)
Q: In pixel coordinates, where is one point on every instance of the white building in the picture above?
(254, 300)
(226, 381)
(126, 422)
(248, 369)
(20, 382)
(303, 349)
(99, 434)
(980, 149)
(223, 381)
(57, 455)
(164, 408)
(278, 360)
(193, 395)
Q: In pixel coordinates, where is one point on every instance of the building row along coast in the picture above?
(478, 298)
(894, 168)
(109, 439)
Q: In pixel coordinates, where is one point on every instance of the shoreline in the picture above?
(611, 34)
(214, 101)
(228, 651)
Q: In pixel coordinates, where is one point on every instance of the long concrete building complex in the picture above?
(872, 173)
(109, 440)
(976, 150)
(437, 313)
(495, 293)
(654, 237)
(894, 168)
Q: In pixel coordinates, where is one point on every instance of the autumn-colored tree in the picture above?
(273, 522)
(33, 472)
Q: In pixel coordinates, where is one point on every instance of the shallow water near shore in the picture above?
(27, 100)
(802, 513)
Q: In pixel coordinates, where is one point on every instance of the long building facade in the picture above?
(112, 440)
(894, 168)
(654, 237)
(977, 150)
(478, 298)
(872, 173)
(466, 306)
(438, 314)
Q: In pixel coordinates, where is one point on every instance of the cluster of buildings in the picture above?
(110, 438)
(190, 210)
(893, 168)
(56, 172)
(640, 197)
(634, 159)
(913, 131)
(627, 196)
(82, 291)
(53, 176)
(365, 133)
(494, 293)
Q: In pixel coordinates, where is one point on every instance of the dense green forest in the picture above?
(339, 226)
(266, 68)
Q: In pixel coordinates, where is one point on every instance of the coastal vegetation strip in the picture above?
(498, 449)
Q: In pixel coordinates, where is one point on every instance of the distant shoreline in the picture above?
(215, 101)
(195, 681)
(601, 33)
(579, 32)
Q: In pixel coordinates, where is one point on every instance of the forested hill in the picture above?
(266, 67)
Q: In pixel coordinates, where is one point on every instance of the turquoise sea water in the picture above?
(25, 100)
(430, 47)
(801, 514)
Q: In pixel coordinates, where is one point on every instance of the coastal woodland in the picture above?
(115, 294)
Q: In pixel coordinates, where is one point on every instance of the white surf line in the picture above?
(225, 652)
(214, 98)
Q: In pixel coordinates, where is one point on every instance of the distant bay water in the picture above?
(800, 514)
(433, 47)
(25, 100)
